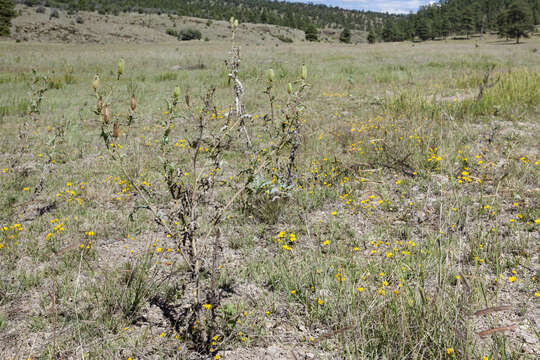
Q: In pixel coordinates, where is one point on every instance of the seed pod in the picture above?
(176, 92)
(120, 68)
(289, 88)
(99, 105)
(106, 115)
(304, 72)
(133, 103)
(235, 23)
(231, 20)
(116, 129)
(95, 82)
(270, 75)
(187, 100)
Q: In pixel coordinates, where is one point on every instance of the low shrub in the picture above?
(283, 38)
(172, 32)
(189, 34)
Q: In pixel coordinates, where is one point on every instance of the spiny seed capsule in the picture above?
(133, 103)
(187, 100)
(106, 115)
(116, 129)
(235, 23)
(99, 105)
(95, 83)
(304, 72)
(289, 88)
(176, 92)
(231, 20)
(120, 68)
(270, 75)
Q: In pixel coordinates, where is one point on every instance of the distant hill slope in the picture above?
(295, 15)
(437, 20)
(36, 24)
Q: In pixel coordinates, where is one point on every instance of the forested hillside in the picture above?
(509, 18)
(296, 15)
(458, 17)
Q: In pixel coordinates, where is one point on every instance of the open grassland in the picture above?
(407, 226)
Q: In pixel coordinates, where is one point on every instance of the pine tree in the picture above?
(422, 29)
(388, 32)
(467, 20)
(312, 34)
(7, 11)
(372, 37)
(519, 20)
(345, 36)
(502, 24)
(445, 27)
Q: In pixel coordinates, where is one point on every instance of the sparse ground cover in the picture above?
(409, 230)
(90, 27)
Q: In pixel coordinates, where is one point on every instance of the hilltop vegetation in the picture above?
(461, 17)
(437, 20)
(38, 24)
(295, 15)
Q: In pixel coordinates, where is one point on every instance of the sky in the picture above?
(391, 6)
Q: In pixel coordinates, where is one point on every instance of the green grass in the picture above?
(413, 205)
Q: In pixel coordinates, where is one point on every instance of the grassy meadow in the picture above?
(385, 207)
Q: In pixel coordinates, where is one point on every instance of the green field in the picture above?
(386, 208)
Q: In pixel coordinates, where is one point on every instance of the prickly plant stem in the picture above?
(271, 101)
(148, 203)
(238, 92)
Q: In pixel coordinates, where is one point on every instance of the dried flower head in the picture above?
(116, 129)
(133, 103)
(99, 105)
(106, 115)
